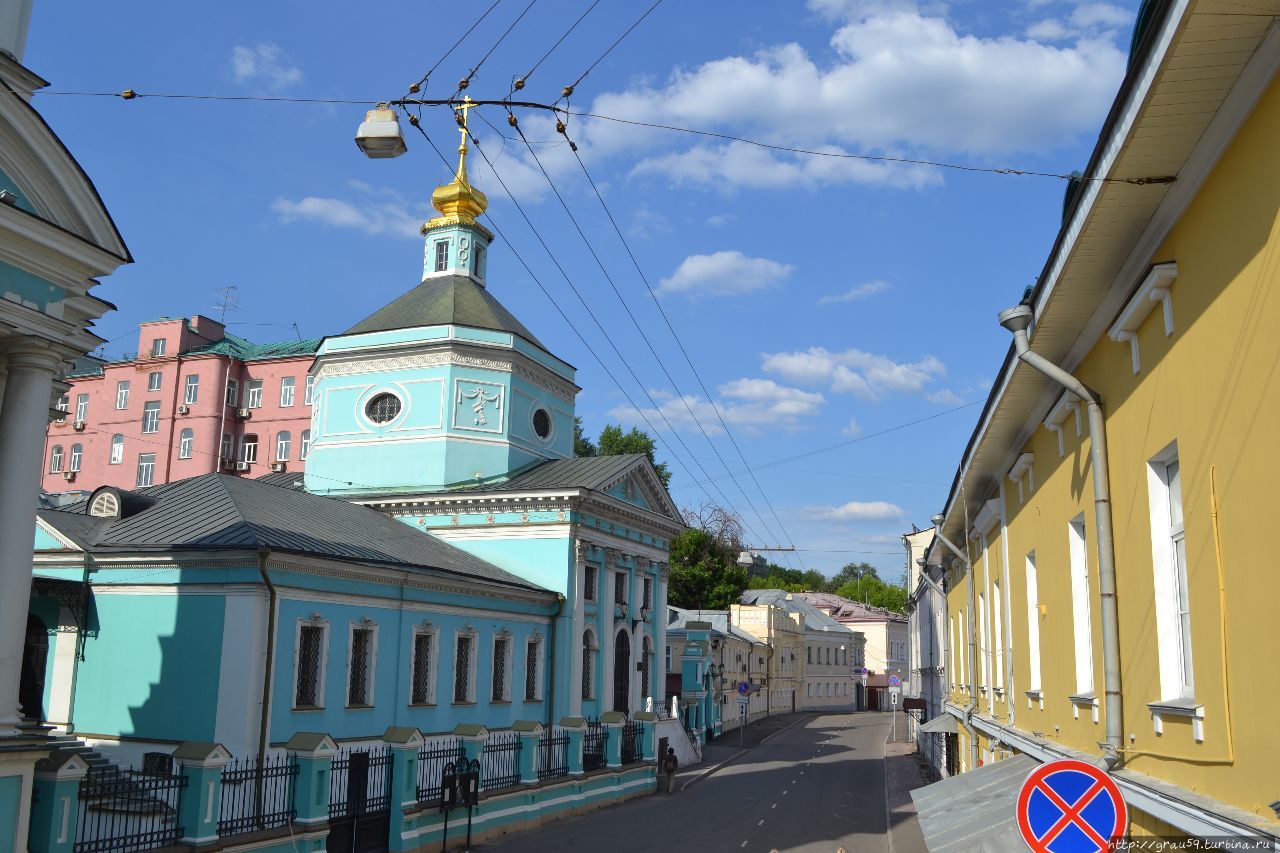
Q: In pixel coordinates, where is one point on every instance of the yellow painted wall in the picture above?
(1214, 387)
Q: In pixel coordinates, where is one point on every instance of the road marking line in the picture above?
(784, 793)
(744, 844)
(761, 823)
(774, 806)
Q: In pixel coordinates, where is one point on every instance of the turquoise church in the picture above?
(443, 560)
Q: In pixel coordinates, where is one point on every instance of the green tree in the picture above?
(582, 446)
(852, 572)
(615, 442)
(870, 589)
(704, 573)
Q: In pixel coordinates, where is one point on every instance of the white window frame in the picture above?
(505, 683)
(534, 639)
(287, 384)
(151, 416)
(122, 394)
(186, 441)
(440, 263)
(313, 621)
(984, 643)
(226, 447)
(472, 663)
(117, 450)
(151, 471)
(370, 671)
(426, 629)
(233, 393)
(253, 394)
(82, 407)
(155, 380)
(1033, 627)
(304, 444)
(157, 347)
(1081, 613)
(191, 390)
(284, 443)
(246, 445)
(668, 657)
(55, 459)
(309, 388)
(1171, 582)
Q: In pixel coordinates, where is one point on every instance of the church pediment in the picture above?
(640, 486)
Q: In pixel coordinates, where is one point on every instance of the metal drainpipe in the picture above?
(1017, 320)
(971, 631)
(222, 421)
(945, 637)
(263, 554)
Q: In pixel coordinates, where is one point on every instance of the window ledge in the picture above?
(531, 701)
(499, 701)
(422, 704)
(1035, 694)
(1090, 699)
(1177, 708)
(359, 707)
(464, 702)
(308, 707)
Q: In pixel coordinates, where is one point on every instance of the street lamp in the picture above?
(379, 135)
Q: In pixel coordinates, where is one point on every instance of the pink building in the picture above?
(194, 400)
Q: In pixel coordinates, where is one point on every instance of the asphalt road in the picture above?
(818, 786)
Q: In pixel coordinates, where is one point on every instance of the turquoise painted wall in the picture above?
(152, 671)
(46, 608)
(7, 183)
(545, 562)
(46, 542)
(18, 285)
(10, 798)
(392, 671)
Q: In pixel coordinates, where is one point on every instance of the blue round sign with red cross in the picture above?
(1069, 806)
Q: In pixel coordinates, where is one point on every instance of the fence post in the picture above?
(200, 804)
(648, 721)
(613, 722)
(575, 728)
(405, 742)
(473, 737)
(314, 752)
(57, 802)
(530, 737)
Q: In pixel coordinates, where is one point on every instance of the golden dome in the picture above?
(457, 200)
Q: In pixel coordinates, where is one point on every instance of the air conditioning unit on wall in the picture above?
(277, 466)
(69, 476)
(78, 426)
(242, 466)
(183, 409)
(243, 413)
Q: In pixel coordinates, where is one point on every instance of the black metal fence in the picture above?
(257, 796)
(128, 810)
(432, 758)
(593, 745)
(631, 742)
(553, 754)
(360, 782)
(500, 762)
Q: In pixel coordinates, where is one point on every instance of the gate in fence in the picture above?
(593, 745)
(257, 795)
(631, 733)
(553, 754)
(359, 801)
(128, 810)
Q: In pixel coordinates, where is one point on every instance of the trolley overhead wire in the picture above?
(466, 81)
(425, 77)
(568, 90)
(519, 82)
(649, 344)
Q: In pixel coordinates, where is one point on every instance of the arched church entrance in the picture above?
(622, 672)
(35, 655)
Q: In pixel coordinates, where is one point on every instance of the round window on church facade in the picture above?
(382, 408)
(542, 424)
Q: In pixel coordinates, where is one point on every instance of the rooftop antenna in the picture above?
(297, 331)
(227, 302)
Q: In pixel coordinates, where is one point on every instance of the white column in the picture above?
(660, 635)
(24, 418)
(576, 593)
(607, 631)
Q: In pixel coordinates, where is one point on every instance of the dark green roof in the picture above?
(238, 347)
(454, 300)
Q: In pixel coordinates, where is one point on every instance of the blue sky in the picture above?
(821, 299)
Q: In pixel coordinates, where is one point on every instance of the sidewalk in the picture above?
(726, 748)
(903, 773)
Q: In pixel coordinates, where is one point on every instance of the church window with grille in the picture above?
(463, 653)
(588, 665)
(423, 675)
(360, 668)
(501, 665)
(647, 601)
(382, 408)
(589, 583)
(619, 587)
(307, 691)
(442, 255)
(532, 655)
(542, 424)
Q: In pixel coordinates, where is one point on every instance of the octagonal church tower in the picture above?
(443, 387)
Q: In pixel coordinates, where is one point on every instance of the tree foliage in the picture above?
(705, 574)
(614, 442)
(855, 581)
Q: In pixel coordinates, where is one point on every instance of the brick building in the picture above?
(195, 399)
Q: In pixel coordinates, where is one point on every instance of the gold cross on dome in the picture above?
(467, 103)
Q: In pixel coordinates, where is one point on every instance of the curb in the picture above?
(732, 758)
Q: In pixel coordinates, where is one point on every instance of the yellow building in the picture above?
(783, 635)
(1109, 599)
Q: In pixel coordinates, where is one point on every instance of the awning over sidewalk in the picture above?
(974, 811)
(942, 724)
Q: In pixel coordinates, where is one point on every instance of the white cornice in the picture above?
(1154, 288)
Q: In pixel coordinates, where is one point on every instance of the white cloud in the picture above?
(1087, 21)
(264, 64)
(720, 219)
(863, 374)
(854, 428)
(747, 403)
(945, 397)
(856, 293)
(861, 511)
(371, 210)
(724, 274)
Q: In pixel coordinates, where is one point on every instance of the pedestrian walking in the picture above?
(670, 764)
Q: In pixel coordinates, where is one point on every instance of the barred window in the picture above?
(648, 593)
(310, 649)
(588, 661)
(462, 669)
(360, 667)
(531, 671)
(422, 675)
(645, 657)
(589, 583)
(619, 587)
(500, 657)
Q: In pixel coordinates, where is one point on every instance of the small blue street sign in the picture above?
(895, 681)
